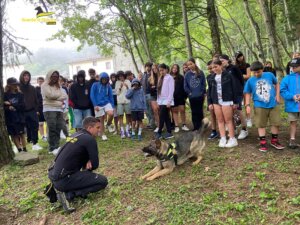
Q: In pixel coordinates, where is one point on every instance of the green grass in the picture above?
(239, 186)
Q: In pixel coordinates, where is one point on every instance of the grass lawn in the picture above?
(230, 186)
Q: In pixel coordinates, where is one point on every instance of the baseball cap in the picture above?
(295, 62)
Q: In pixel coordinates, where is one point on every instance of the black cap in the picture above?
(295, 62)
(12, 81)
(226, 57)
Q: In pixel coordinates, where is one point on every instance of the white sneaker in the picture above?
(104, 138)
(111, 128)
(176, 130)
(44, 139)
(185, 128)
(249, 122)
(232, 142)
(36, 147)
(156, 130)
(243, 134)
(62, 135)
(222, 142)
(55, 151)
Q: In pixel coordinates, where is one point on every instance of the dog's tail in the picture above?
(205, 125)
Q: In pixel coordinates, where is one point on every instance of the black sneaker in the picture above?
(213, 135)
(61, 197)
(293, 144)
(168, 136)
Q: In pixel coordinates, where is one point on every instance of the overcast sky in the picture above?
(35, 32)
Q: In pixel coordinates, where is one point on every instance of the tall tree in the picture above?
(214, 27)
(186, 29)
(256, 30)
(6, 153)
(271, 31)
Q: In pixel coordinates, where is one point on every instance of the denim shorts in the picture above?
(79, 115)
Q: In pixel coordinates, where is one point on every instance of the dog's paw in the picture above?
(143, 177)
(149, 178)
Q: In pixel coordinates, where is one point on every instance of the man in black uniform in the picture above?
(71, 173)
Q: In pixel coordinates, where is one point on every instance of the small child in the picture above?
(290, 91)
(137, 106)
(264, 88)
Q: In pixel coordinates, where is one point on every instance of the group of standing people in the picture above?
(161, 92)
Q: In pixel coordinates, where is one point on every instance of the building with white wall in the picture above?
(100, 64)
(119, 61)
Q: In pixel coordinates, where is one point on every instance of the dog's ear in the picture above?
(158, 143)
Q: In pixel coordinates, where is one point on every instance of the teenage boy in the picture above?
(103, 101)
(79, 94)
(31, 109)
(264, 88)
(290, 91)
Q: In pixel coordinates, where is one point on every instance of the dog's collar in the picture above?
(171, 154)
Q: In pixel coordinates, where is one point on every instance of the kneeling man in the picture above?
(71, 173)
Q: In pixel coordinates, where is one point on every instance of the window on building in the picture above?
(108, 65)
(94, 63)
(78, 68)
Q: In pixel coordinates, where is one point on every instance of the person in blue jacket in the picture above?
(103, 101)
(290, 92)
(195, 88)
(137, 106)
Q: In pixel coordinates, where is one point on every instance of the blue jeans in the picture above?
(79, 115)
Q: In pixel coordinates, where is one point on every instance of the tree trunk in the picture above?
(226, 36)
(6, 153)
(144, 33)
(214, 27)
(288, 16)
(243, 35)
(271, 32)
(256, 31)
(283, 46)
(186, 29)
(130, 50)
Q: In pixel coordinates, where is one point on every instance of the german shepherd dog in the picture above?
(189, 145)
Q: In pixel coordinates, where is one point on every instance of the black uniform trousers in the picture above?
(80, 184)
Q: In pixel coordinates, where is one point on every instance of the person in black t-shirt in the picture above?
(179, 99)
(244, 67)
(40, 81)
(71, 173)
